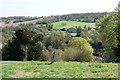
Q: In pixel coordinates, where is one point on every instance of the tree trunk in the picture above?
(25, 58)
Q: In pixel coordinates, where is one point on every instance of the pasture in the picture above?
(37, 69)
(69, 24)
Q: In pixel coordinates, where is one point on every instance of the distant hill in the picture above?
(83, 17)
(18, 23)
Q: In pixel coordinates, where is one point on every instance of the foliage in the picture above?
(78, 49)
(63, 29)
(86, 17)
(35, 52)
(22, 41)
(49, 26)
(16, 19)
(79, 30)
(57, 40)
(7, 32)
(110, 34)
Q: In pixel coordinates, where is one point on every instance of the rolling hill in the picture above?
(69, 24)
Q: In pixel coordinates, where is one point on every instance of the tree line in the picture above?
(83, 17)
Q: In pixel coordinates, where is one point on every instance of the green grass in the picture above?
(69, 24)
(37, 69)
(62, 32)
(0, 70)
(73, 34)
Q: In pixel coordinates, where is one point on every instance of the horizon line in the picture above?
(56, 14)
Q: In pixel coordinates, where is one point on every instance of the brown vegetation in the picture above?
(2, 24)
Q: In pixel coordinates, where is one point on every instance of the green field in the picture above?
(69, 24)
(37, 69)
(73, 34)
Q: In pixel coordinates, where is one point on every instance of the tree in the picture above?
(117, 49)
(79, 30)
(57, 40)
(110, 33)
(17, 48)
(85, 27)
(25, 38)
(35, 52)
(11, 52)
(49, 26)
(63, 29)
(78, 49)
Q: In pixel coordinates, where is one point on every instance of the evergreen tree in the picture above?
(79, 30)
(17, 48)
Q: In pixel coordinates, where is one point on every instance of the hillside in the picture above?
(69, 24)
(16, 24)
(82, 17)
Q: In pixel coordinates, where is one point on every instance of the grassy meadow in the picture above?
(37, 69)
(69, 24)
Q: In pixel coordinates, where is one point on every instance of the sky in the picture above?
(54, 7)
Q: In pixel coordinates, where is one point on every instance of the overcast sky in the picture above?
(54, 7)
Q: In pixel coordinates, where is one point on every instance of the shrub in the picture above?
(43, 58)
(78, 49)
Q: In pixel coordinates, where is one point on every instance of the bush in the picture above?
(43, 58)
(78, 49)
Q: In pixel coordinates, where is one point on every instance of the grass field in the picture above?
(73, 34)
(37, 69)
(69, 24)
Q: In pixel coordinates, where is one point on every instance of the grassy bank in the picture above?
(37, 69)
